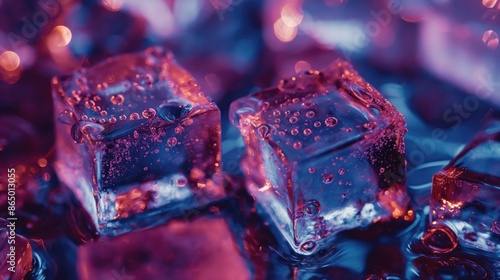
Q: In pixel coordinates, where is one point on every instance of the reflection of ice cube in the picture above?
(136, 135)
(325, 153)
(465, 193)
(200, 249)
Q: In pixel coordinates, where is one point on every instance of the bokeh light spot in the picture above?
(284, 32)
(489, 3)
(9, 60)
(60, 36)
(291, 15)
(302, 65)
(112, 5)
(490, 38)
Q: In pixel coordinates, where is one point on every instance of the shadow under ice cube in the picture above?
(325, 153)
(137, 141)
(466, 195)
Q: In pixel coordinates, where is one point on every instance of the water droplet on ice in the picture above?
(149, 113)
(308, 246)
(331, 121)
(117, 99)
(327, 178)
(310, 114)
(134, 116)
(172, 141)
(297, 145)
(312, 207)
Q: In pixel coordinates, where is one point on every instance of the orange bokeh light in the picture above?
(9, 61)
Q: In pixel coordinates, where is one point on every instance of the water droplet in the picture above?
(331, 121)
(308, 246)
(382, 170)
(317, 124)
(341, 171)
(112, 120)
(293, 119)
(311, 170)
(307, 131)
(136, 134)
(264, 131)
(360, 93)
(294, 131)
(327, 178)
(149, 113)
(134, 116)
(93, 130)
(123, 117)
(297, 145)
(173, 111)
(117, 99)
(66, 118)
(312, 207)
(103, 113)
(90, 104)
(181, 182)
(440, 239)
(172, 141)
(276, 113)
(179, 130)
(310, 114)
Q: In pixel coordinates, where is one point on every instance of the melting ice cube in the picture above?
(325, 153)
(465, 194)
(137, 141)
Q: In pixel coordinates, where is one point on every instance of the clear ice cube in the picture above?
(137, 141)
(325, 153)
(465, 194)
(203, 248)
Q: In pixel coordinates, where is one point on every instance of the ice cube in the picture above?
(325, 153)
(137, 141)
(17, 259)
(465, 194)
(203, 248)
